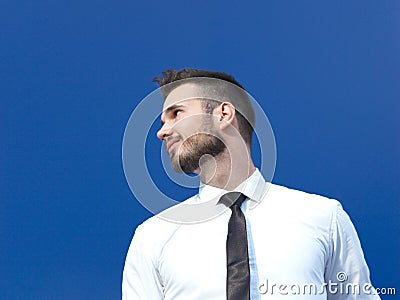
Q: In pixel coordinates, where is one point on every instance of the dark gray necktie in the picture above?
(237, 257)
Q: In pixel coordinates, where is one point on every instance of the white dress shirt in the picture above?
(301, 246)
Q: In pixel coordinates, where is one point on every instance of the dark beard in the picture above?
(193, 148)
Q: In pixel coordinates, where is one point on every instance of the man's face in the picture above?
(188, 132)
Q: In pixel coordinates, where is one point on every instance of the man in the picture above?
(245, 238)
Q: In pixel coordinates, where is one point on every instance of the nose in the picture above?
(164, 132)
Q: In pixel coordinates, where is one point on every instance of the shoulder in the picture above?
(286, 195)
(300, 204)
(155, 232)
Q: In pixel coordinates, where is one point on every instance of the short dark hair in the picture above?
(246, 125)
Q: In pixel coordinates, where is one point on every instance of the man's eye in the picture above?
(177, 112)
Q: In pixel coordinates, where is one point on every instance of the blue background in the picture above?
(71, 72)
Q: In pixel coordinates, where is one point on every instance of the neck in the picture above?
(227, 170)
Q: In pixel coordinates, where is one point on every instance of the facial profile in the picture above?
(191, 137)
(186, 157)
(197, 114)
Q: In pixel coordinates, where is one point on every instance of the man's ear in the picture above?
(225, 113)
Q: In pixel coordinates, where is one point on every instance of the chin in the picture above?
(182, 168)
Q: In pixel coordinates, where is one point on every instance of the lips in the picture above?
(171, 144)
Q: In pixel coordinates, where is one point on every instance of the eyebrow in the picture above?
(170, 109)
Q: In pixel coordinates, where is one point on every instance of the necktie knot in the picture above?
(232, 199)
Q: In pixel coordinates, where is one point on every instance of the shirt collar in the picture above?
(253, 187)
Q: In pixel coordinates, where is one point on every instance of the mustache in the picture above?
(171, 139)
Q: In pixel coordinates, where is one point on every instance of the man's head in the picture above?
(204, 96)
